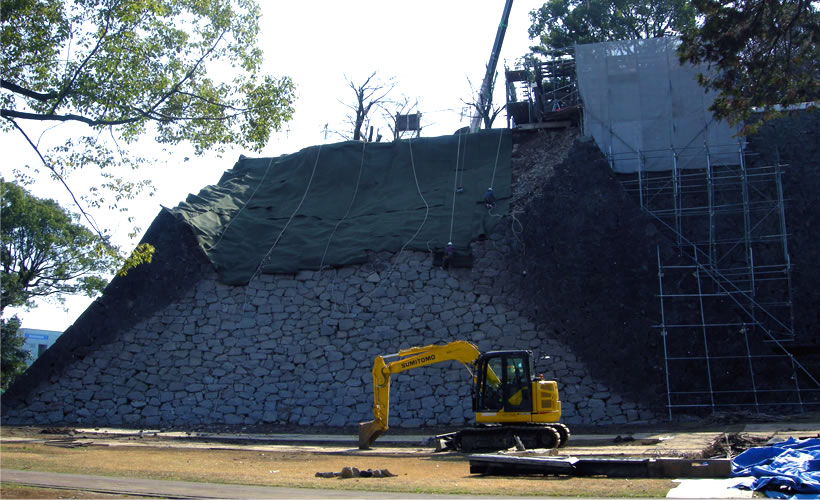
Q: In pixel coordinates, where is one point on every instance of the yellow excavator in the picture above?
(512, 406)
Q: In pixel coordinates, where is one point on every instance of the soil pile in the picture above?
(585, 264)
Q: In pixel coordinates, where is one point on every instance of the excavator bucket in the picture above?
(368, 433)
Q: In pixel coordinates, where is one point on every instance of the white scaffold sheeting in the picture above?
(642, 106)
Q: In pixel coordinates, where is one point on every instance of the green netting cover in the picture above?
(328, 205)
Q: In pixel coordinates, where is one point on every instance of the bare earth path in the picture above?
(292, 461)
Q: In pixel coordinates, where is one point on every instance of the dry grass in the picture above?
(16, 491)
(427, 474)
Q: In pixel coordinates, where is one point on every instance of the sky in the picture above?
(429, 49)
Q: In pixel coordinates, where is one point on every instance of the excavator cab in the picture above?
(502, 382)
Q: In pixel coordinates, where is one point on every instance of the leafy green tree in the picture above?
(45, 253)
(559, 24)
(13, 358)
(126, 68)
(764, 53)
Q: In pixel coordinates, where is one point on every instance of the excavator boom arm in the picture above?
(464, 352)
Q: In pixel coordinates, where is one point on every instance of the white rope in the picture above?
(497, 152)
(426, 214)
(244, 205)
(266, 258)
(455, 188)
(513, 224)
(349, 208)
(418, 188)
(463, 161)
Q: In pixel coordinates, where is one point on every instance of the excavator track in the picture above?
(563, 434)
(500, 437)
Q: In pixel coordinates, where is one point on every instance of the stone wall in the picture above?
(298, 349)
(571, 277)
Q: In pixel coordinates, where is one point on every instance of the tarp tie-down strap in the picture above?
(295, 212)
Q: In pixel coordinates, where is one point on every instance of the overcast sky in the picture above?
(428, 48)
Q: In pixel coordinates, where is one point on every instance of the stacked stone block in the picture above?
(298, 350)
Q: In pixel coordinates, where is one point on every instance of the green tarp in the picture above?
(328, 205)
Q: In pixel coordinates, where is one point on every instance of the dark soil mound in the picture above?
(588, 257)
(588, 260)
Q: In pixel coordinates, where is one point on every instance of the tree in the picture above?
(764, 54)
(486, 110)
(124, 68)
(13, 358)
(44, 252)
(368, 94)
(559, 24)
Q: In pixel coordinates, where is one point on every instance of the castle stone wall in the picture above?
(298, 349)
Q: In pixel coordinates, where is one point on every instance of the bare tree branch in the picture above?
(391, 116)
(368, 94)
(488, 112)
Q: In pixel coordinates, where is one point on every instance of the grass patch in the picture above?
(448, 475)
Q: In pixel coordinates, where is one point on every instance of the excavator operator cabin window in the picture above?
(517, 384)
(492, 392)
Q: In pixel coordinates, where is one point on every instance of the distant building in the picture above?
(37, 341)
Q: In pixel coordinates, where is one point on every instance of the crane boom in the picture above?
(485, 94)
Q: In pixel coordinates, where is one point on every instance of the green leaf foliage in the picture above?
(130, 62)
(45, 253)
(177, 70)
(764, 54)
(143, 254)
(13, 358)
(559, 24)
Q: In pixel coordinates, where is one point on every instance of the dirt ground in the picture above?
(258, 460)
(17, 491)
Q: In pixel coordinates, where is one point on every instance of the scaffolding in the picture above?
(543, 93)
(726, 309)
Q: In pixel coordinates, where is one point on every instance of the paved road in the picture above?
(183, 489)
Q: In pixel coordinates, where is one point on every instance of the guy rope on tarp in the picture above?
(426, 214)
(421, 195)
(462, 166)
(426, 208)
(396, 194)
(455, 186)
(349, 207)
(247, 202)
(267, 255)
(495, 166)
(512, 213)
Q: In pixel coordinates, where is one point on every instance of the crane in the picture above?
(485, 93)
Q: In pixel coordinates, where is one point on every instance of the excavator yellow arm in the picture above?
(414, 357)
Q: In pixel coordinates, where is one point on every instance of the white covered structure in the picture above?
(647, 111)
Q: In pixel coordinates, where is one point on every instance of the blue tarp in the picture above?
(792, 466)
